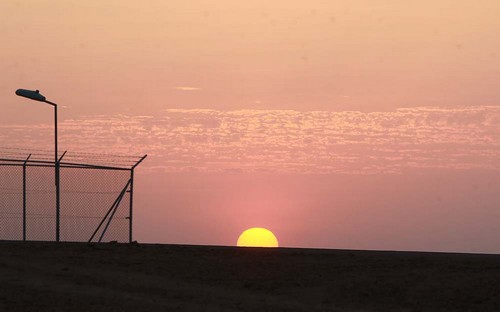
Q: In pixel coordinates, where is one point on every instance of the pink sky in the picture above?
(337, 124)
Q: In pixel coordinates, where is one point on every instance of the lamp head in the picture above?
(30, 94)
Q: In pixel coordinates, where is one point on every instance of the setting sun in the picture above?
(257, 237)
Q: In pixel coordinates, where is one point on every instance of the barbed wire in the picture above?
(83, 158)
(51, 216)
(52, 191)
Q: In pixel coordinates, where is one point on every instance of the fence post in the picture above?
(58, 191)
(131, 190)
(132, 196)
(24, 197)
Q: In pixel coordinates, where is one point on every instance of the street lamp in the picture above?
(35, 95)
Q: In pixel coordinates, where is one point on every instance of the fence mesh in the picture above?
(11, 202)
(95, 192)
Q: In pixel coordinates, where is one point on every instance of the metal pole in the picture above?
(24, 197)
(24, 202)
(35, 95)
(130, 214)
(131, 190)
(56, 164)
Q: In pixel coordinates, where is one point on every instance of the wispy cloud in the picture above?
(187, 88)
(286, 140)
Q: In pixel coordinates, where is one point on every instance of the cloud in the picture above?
(286, 141)
(187, 88)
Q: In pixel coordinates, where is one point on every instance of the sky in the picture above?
(335, 124)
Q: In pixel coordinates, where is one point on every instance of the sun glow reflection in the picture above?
(257, 237)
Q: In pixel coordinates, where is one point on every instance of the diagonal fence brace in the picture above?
(111, 210)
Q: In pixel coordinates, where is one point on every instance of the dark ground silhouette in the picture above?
(140, 277)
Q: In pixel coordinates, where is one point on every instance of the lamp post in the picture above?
(35, 95)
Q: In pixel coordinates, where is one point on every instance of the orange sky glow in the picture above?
(340, 124)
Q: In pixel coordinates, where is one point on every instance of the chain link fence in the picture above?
(96, 193)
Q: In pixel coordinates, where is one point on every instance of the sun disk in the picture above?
(257, 237)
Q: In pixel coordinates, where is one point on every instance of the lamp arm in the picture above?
(51, 103)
